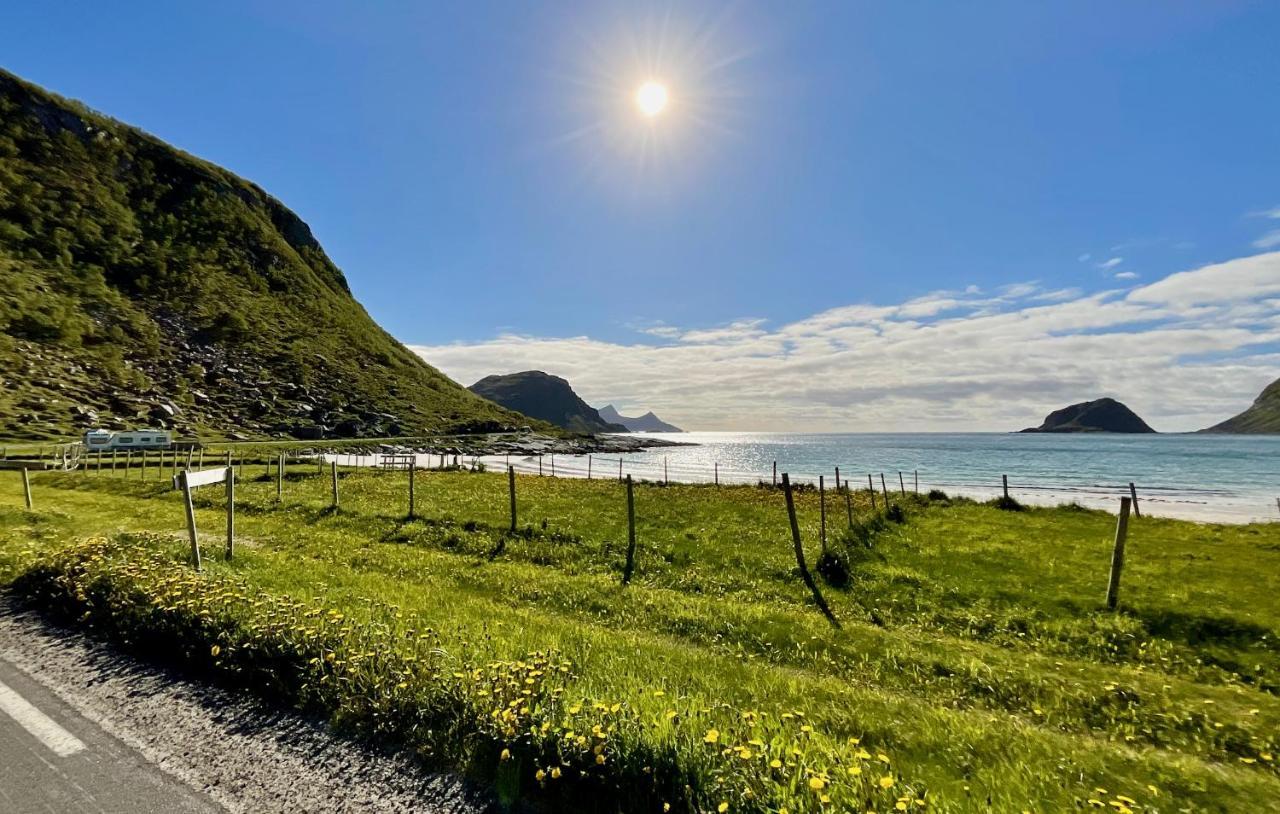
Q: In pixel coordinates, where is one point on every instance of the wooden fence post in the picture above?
(113, 460)
(822, 512)
(848, 503)
(871, 488)
(917, 476)
(26, 488)
(201, 464)
(837, 479)
(775, 473)
(191, 519)
(412, 469)
(1005, 478)
(886, 492)
(588, 467)
(1117, 555)
(665, 481)
(619, 469)
(1133, 493)
(799, 549)
(511, 490)
(631, 534)
(231, 511)
(333, 471)
(902, 487)
(553, 466)
(143, 476)
(280, 478)
(717, 475)
(539, 464)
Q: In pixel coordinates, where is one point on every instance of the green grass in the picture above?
(974, 652)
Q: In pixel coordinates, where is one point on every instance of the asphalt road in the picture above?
(55, 760)
(83, 729)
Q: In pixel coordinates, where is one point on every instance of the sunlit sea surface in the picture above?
(1200, 477)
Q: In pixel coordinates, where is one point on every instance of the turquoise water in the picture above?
(1203, 477)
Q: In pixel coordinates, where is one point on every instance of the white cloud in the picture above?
(1185, 352)
(1127, 275)
(1110, 264)
(1268, 241)
(1085, 258)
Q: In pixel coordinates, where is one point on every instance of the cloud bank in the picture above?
(1185, 352)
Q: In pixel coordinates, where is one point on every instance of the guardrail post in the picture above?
(26, 488)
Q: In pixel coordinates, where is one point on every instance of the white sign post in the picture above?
(189, 480)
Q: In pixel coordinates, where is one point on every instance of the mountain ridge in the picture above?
(1099, 415)
(649, 422)
(549, 398)
(142, 285)
(1261, 417)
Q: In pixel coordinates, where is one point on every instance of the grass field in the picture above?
(975, 667)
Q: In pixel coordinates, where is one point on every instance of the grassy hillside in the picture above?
(975, 669)
(1263, 416)
(139, 284)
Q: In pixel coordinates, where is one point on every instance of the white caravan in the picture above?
(107, 440)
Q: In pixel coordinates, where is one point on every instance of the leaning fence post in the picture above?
(333, 470)
(902, 487)
(511, 490)
(631, 534)
(26, 488)
(1117, 555)
(799, 548)
(231, 511)
(191, 518)
(886, 492)
(871, 488)
(848, 503)
(1133, 493)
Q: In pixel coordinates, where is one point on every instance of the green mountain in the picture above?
(1102, 415)
(142, 285)
(546, 397)
(1263, 417)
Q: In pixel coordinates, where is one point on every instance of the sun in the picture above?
(652, 98)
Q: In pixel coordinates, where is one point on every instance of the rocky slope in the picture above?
(546, 397)
(645, 423)
(1102, 415)
(141, 285)
(1263, 417)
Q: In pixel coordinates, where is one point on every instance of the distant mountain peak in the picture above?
(541, 395)
(645, 423)
(1100, 415)
(1262, 417)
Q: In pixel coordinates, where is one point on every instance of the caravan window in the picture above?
(126, 439)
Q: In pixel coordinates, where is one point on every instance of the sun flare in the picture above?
(652, 98)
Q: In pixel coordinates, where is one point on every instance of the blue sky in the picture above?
(480, 174)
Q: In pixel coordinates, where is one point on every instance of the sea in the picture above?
(1212, 478)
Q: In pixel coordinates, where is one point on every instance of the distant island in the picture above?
(543, 396)
(645, 423)
(1263, 417)
(1102, 415)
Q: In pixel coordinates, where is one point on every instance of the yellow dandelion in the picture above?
(712, 736)
(886, 782)
(817, 783)
(215, 650)
(723, 807)
(506, 754)
(555, 773)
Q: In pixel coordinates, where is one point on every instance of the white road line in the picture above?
(59, 740)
